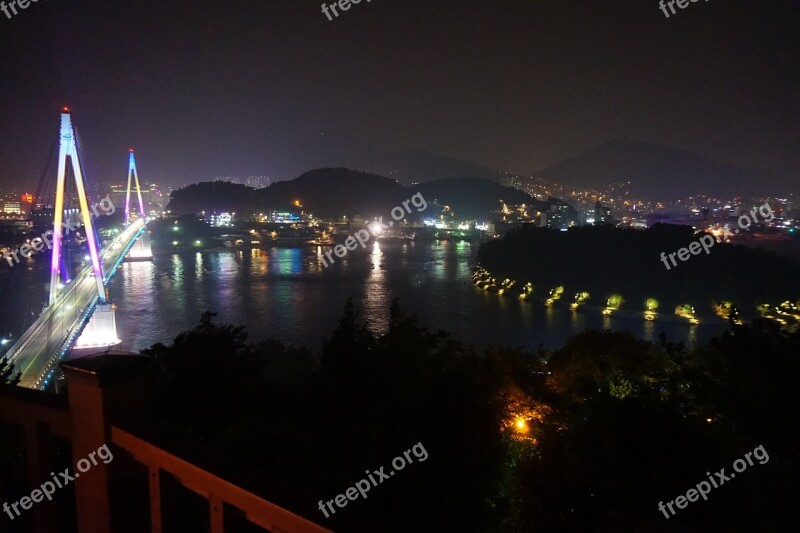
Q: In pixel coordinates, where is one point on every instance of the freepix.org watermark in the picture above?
(46, 240)
(363, 486)
(717, 480)
(706, 242)
(683, 4)
(377, 227)
(48, 488)
(10, 9)
(342, 5)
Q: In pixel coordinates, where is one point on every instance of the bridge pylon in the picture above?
(68, 155)
(141, 249)
(132, 173)
(101, 328)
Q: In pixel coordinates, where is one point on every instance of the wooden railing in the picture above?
(105, 391)
(216, 490)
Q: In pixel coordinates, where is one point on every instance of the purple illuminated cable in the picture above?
(131, 170)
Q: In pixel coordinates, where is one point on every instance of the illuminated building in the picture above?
(221, 220)
(602, 215)
(13, 208)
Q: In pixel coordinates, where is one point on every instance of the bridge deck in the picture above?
(45, 342)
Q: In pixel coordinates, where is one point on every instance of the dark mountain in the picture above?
(338, 150)
(658, 172)
(213, 196)
(423, 166)
(338, 192)
(474, 197)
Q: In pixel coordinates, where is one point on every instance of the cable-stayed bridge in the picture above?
(78, 309)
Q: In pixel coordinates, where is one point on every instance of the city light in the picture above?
(376, 228)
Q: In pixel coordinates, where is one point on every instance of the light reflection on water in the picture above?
(649, 333)
(376, 293)
(287, 293)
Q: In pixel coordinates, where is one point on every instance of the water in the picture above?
(286, 293)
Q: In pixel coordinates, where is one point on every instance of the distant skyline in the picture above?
(202, 89)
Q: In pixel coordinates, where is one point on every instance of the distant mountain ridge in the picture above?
(655, 172)
(658, 172)
(333, 150)
(338, 192)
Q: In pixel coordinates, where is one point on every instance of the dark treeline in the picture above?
(604, 260)
(589, 437)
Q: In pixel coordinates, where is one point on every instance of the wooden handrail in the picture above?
(257, 510)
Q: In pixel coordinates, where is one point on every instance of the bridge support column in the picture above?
(101, 330)
(141, 249)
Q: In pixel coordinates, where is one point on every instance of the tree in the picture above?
(208, 375)
(7, 374)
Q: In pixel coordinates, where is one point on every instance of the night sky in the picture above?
(203, 89)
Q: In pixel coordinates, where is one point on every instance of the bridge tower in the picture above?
(68, 155)
(141, 249)
(132, 173)
(101, 329)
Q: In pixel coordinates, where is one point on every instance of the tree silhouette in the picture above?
(7, 374)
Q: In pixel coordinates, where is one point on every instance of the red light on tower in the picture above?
(131, 150)
(65, 109)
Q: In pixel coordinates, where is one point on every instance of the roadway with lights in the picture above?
(38, 349)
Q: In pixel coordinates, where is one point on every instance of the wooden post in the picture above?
(155, 498)
(217, 508)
